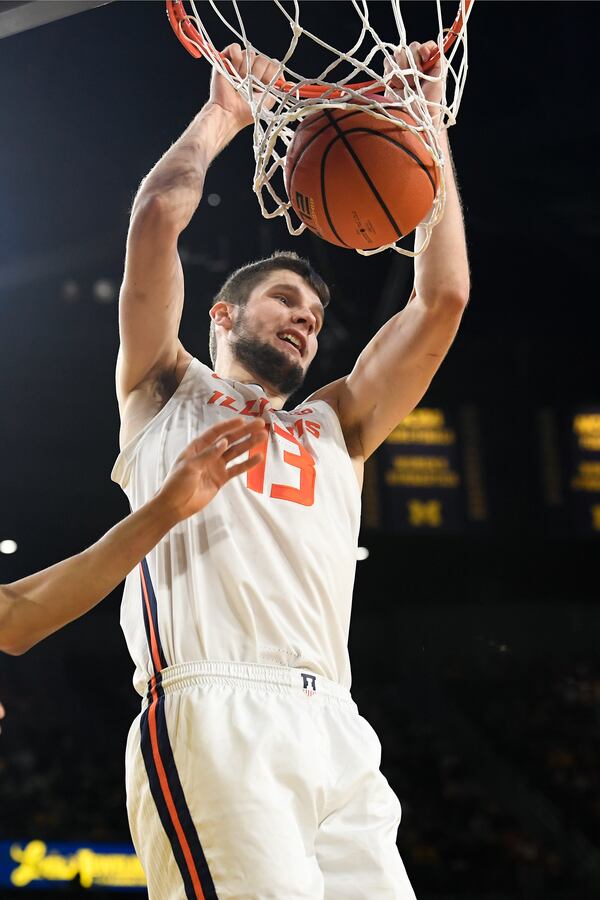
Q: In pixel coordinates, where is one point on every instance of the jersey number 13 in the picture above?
(301, 459)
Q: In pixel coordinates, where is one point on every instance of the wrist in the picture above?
(442, 136)
(161, 515)
(225, 124)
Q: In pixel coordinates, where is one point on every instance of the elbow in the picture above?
(154, 213)
(14, 647)
(450, 301)
(12, 640)
(458, 300)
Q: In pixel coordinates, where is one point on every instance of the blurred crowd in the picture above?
(462, 835)
(553, 732)
(466, 829)
(62, 761)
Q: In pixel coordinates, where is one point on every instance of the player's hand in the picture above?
(223, 94)
(1, 715)
(432, 90)
(201, 470)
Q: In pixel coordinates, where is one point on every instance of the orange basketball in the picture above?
(359, 181)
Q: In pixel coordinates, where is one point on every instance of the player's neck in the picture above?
(232, 370)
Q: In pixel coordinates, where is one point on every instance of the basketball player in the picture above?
(38, 605)
(250, 774)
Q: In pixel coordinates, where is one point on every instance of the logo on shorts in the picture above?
(309, 683)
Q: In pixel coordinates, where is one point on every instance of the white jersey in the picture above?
(264, 574)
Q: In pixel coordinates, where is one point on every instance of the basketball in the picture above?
(359, 181)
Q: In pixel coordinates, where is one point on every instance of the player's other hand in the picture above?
(202, 469)
(432, 90)
(222, 93)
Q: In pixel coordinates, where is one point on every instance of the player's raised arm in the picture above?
(151, 299)
(395, 369)
(36, 606)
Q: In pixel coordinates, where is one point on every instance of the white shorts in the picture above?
(249, 782)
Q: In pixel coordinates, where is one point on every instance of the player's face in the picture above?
(276, 333)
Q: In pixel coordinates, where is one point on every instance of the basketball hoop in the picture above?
(295, 97)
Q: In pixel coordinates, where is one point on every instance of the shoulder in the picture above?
(332, 394)
(147, 399)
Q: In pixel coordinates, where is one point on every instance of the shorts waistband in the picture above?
(174, 678)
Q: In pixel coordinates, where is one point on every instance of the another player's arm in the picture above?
(40, 604)
(151, 300)
(394, 371)
(36, 606)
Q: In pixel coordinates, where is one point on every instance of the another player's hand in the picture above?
(202, 468)
(222, 93)
(432, 90)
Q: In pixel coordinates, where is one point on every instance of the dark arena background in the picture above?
(476, 623)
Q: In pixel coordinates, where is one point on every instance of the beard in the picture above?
(268, 364)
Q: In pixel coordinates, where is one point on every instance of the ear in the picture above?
(222, 314)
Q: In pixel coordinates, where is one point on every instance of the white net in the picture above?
(347, 81)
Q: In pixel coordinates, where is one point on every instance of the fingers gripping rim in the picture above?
(279, 105)
(189, 36)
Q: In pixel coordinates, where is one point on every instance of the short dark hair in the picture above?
(240, 284)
